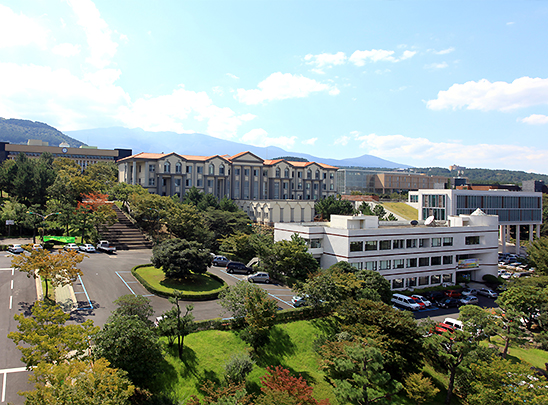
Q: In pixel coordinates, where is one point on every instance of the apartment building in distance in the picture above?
(369, 181)
(408, 256)
(513, 208)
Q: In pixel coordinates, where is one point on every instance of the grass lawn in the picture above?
(51, 290)
(402, 209)
(535, 357)
(192, 283)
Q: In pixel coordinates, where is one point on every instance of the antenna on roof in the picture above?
(430, 221)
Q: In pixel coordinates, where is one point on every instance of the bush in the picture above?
(490, 279)
(238, 367)
(542, 340)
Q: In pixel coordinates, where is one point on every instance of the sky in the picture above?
(422, 83)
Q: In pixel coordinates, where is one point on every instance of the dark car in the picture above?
(434, 295)
(449, 303)
(237, 267)
(220, 261)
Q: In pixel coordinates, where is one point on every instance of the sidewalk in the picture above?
(64, 296)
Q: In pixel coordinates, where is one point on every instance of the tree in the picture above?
(124, 191)
(365, 209)
(79, 383)
(289, 258)
(130, 305)
(419, 388)
(130, 344)
(537, 254)
(208, 201)
(278, 386)
(224, 223)
(102, 213)
(238, 367)
(238, 247)
(331, 286)
(331, 205)
(104, 174)
(193, 196)
(233, 299)
(375, 287)
(184, 325)
(59, 268)
(525, 299)
(185, 222)
(180, 258)
(47, 339)
(226, 204)
(356, 368)
(379, 211)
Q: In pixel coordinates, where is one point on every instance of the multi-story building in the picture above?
(369, 181)
(244, 176)
(83, 156)
(513, 208)
(406, 255)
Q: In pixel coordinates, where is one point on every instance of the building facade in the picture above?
(407, 256)
(244, 176)
(513, 208)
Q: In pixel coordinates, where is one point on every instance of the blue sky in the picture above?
(424, 83)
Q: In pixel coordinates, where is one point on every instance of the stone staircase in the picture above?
(124, 235)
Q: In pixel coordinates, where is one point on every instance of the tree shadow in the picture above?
(328, 326)
(279, 346)
(83, 311)
(25, 308)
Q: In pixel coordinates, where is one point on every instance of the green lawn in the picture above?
(402, 209)
(198, 283)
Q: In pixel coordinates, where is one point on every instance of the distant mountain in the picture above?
(20, 131)
(204, 145)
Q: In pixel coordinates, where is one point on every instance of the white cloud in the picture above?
(510, 23)
(310, 141)
(102, 47)
(407, 55)
(279, 86)
(218, 90)
(20, 30)
(326, 59)
(232, 76)
(360, 58)
(444, 51)
(535, 119)
(259, 137)
(422, 151)
(485, 96)
(66, 49)
(432, 66)
(342, 140)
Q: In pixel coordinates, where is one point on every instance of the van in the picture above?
(405, 302)
(455, 323)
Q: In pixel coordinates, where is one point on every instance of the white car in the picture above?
(71, 246)
(423, 300)
(260, 277)
(298, 301)
(16, 249)
(87, 247)
(37, 246)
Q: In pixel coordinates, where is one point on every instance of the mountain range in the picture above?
(204, 145)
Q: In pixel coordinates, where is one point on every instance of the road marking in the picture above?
(148, 295)
(127, 285)
(85, 292)
(4, 388)
(5, 373)
(9, 268)
(11, 300)
(12, 270)
(12, 284)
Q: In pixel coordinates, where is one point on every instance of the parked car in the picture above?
(455, 323)
(88, 248)
(405, 302)
(506, 275)
(37, 246)
(469, 291)
(435, 295)
(220, 261)
(71, 246)
(453, 294)
(469, 300)
(443, 327)
(105, 246)
(16, 249)
(488, 293)
(237, 267)
(259, 277)
(298, 301)
(419, 301)
(426, 302)
(449, 303)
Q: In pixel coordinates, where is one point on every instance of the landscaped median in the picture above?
(195, 287)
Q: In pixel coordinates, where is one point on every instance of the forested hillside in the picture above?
(484, 175)
(20, 131)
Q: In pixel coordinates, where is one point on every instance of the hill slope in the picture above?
(20, 131)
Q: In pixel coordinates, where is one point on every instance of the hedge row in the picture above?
(187, 296)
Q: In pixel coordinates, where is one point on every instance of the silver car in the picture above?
(488, 293)
(260, 277)
(469, 300)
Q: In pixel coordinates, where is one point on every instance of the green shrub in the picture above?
(238, 367)
(490, 279)
(542, 339)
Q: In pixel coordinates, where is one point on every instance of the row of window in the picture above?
(378, 265)
(422, 281)
(360, 246)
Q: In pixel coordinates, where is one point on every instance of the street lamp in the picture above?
(44, 217)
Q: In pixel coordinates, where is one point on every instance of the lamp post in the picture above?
(44, 217)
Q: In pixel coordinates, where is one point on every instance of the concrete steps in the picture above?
(124, 235)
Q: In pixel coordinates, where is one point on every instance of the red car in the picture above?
(443, 327)
(419, 301)
(453, 294)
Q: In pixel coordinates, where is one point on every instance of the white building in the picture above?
(406, 255)
(513, 208)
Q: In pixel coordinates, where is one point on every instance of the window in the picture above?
(278, 172)
(447, 259)
(330, 175)
(188, 182)
(435, 279)
(397, 283)
(265, 173)
(177, 182)
(435, 261)
(151, 168)
(139, 168)
(325, 176)
(424, 261)
(246, 172)
(164, 182)
(398, 244)
(436, 242)
(199, 183)
(411, 282)
(356, 246)
(317, 174)
(167, 167)
(255, 172)
(222, 170)
(370, 245)
(423, 243)
(199, 169)
(315, 243)
(411, 243)
(384, 265)
(300, 186)
(412, 262)
(309, 174)
(189, 169)
(151, 181)
(211, 169)
(286, 173)
(300, 175)
(447, 278)
(358, 265)
(447, 241)
(331, 187)
(371, 266)
(472, 240)
(237, 172)
(385, 245)
(398, 264)
(424, 280)
(210, 183)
